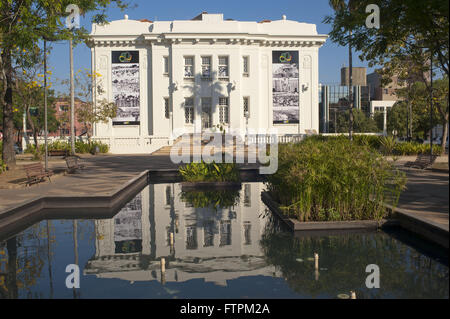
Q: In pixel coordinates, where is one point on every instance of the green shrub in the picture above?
(2, 166)
(414, 148)
(209, 172)
(334, 179)
(388, 144)
(80, 147)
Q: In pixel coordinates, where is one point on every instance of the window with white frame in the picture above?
(223, 68)
(206, 116)
(166, 65)
(206, 67)
(246, 103)
(189, 110)
(245, 66)
(166, 107)
(189, 67)
(223, 110)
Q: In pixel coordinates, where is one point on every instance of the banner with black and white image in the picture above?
(285, 87)
(126, 87)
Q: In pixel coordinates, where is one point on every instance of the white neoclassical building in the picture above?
(170, 77)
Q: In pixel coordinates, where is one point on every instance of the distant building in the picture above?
(333, 99)
(62, 108)
(380, 92)
(358, 76)
(388, 92)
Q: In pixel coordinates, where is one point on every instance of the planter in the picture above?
(193, 186)
(296, 225)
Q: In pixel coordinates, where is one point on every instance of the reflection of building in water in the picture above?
(196, 242)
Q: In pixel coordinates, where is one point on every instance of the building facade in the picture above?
(358, 76)
(188, 76)
(334, 99)
(62, 113)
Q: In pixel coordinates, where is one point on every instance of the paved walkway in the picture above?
(426, 195)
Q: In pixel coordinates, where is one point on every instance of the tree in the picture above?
(361, 122)
(29, 98)
(418, 95)
(87, 112)
(412, 33)
(23, 23)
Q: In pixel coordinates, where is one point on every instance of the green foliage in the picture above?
(334, 179)
(407, 27)
(361, 122)
(2, 166)
(388, 144)
(413, 148)
(209, 172)
(80, 147)
(211, 199)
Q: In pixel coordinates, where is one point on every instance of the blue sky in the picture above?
(331, 56)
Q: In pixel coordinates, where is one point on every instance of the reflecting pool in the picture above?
(226, 245)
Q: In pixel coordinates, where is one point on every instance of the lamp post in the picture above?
(45, 105)
(431, 106)
(72, 101)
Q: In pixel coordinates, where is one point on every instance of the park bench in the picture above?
(72, 164)
(36, 173)
(422, 161)
(58, 153)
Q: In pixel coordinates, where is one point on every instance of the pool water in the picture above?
(229, 247)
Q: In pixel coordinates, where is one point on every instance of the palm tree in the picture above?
(340, 6)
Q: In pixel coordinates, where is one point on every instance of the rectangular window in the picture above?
(245, 66)
(206, 113)
(223, 68)
(223, 110)
(168, 195)
(246, 102)
(189, 67)
(208, 234)
(247, 233)
(189, 110)
(225, 233)
(191, 237)
(206, 67)
(166, 107)
(247, 195)
(166, 65)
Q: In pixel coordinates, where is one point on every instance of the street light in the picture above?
(46, 38)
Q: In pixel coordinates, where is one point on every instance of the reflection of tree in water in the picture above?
(405, 273)
(211, 199)
(22, 259)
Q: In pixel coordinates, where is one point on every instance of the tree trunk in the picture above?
(350, 89)
(8, 155)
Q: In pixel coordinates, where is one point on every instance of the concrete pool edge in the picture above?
(77, 206)
(42, 206)
(401, 217)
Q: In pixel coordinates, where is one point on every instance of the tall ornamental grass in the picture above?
(334, 180)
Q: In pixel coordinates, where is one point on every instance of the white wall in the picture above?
(210, 37)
